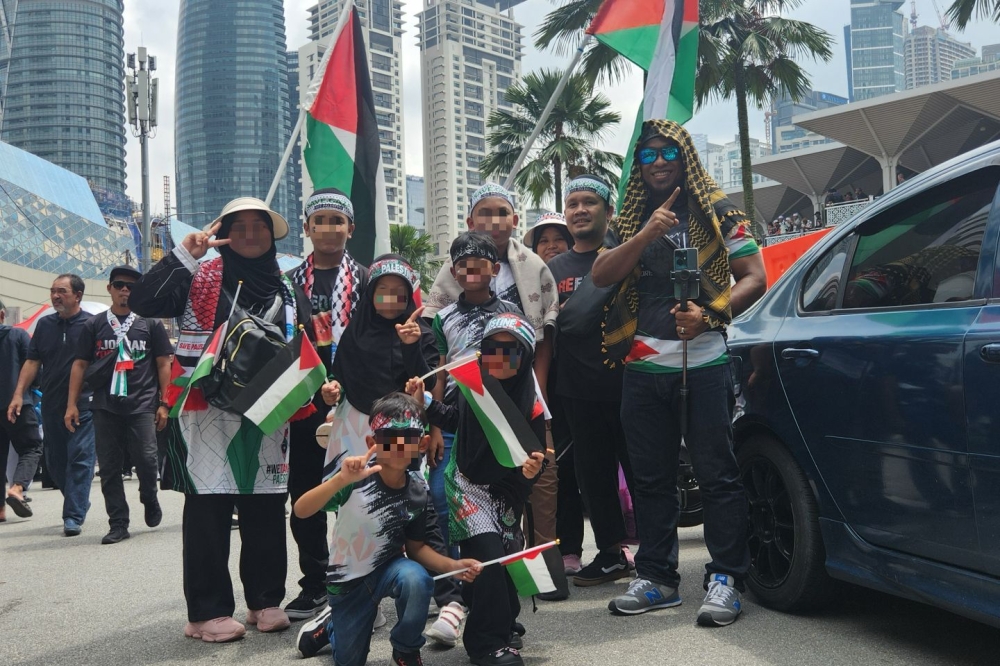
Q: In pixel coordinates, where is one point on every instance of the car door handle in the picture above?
(793, 353)
(990, 353)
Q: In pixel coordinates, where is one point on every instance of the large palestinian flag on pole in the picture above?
(661, 37)
(507, 430)
(341, 146)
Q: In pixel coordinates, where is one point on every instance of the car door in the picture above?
(982, 390)
(872, 367)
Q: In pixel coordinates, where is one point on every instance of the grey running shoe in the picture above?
(644, 595)
(722, 604)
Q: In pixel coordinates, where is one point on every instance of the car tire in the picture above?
(787, 571)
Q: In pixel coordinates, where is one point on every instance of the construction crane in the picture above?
(913, 14)
(941, 19)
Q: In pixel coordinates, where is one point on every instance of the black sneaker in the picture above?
(506, 656)
(516, 642)
(604, 569)
(116, 535)
(313, 635)
(406, 658)
(154, 514)
(306, 605)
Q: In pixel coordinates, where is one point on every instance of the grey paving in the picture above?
(74, 601)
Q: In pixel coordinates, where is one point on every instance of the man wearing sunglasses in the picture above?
(672, 203)
(125, 360)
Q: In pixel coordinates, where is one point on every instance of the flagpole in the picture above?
(307, 100)
(512, 556)
(452, 365)
(556, 94)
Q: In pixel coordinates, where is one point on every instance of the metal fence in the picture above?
(834, 214)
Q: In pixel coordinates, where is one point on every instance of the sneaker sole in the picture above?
(439, 637)
(301, 614)
(615, 610)
(607, 578)
(706, 619)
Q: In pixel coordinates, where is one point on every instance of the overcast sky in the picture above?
(153, 23)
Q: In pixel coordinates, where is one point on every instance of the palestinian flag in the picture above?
(341, 146)
(507, 430)
(661, 37)
(531, 570)
(202, 369)
(285, 384)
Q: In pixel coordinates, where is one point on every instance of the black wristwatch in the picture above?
(163, 403)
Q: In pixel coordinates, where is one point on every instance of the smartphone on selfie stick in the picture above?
(686, 278)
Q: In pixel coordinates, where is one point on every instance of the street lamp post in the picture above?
(141, 95)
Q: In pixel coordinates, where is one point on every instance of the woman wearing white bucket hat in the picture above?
(218, 459)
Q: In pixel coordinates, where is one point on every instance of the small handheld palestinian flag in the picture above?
(202, 369)
(285, 384)
(119, 378)
(531, 569)
(507, 430)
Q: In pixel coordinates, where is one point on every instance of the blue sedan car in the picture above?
(868, 425)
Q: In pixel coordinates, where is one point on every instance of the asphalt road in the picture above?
(74, 601)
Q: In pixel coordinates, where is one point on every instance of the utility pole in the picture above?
(141, 95)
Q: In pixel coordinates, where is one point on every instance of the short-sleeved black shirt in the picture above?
(580, 369)
(54, 343)
(147, 340)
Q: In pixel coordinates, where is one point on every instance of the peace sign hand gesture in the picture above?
(356, 468)
(199, 242)
(409, 332)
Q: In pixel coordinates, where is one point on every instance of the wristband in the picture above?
(428, 399)
(164, 403)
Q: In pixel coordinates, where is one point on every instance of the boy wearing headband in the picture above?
(332, 282)
(383, 510)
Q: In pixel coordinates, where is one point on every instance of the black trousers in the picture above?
(569, 505)
(208, 588)
(305, 472)
(491, 598)
(116, 435)
(598, 448)
(23, 434)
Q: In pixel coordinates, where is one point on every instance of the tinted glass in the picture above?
(819, 289)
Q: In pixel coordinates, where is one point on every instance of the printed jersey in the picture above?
(373, 524)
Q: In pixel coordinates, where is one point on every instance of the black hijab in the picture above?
(261, 276)
(368, 362)
(474, 457)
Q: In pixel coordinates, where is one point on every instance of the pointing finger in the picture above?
(671, 199)
(416, 313)
(372, 452)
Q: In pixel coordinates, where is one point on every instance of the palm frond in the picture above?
(563, 27)
(961, 11)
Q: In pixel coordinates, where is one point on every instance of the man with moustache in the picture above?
(125, 360)
(69, 455)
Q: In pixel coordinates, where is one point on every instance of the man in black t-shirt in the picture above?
(125, 360)
(591, 392)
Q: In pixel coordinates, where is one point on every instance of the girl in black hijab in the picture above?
(485, 498)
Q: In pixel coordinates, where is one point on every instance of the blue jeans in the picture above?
(653, 437)
(352, 614)
(69, 458)
(438, 496)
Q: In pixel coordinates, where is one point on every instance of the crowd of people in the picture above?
(583, 348)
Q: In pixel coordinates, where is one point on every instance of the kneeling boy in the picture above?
(381, 509)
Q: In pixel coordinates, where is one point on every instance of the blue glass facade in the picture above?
(49, 220)
(231, 105)
(876, 46)
(62, 85)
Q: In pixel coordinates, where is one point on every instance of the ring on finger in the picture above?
(683, 330)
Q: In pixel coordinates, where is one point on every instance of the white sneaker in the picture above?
(447, 629)
(380, 620)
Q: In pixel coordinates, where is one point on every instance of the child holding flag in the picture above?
(383, 509)
(490, 475)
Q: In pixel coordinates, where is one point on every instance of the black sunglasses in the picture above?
(668, 153)
(122, 284)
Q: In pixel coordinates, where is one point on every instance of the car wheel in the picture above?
(787, 569)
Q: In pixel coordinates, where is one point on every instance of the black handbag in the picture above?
(584, 311)
(251, 342)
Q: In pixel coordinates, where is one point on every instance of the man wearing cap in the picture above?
(332, 282)
(672, 203)
(69, 455)
(23, 434)
(125, 360)
(590, 390)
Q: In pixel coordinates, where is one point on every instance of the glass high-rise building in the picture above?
(62, 85)
(875, 61)
(231, 97)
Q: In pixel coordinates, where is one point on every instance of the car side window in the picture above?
(822, 282)
(925, 249)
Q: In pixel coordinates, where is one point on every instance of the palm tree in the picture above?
(417, 248)
(961, 11)
(746, 51)
(579, 119)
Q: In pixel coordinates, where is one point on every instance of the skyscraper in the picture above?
(875, 63)
(231, 106)
(785, 134)
(382, 22)
(62, 85)
(293, 170)
(930, 54)
(415, 202)
(470, 54)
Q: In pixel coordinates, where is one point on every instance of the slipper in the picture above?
(19, 506)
